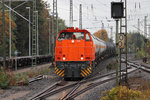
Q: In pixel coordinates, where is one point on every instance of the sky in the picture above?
(94, 12)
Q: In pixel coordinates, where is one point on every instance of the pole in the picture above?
(29, 31)
(80, 17)
(16, 63)
(56, 19)
(37, 35)
(49, 49)
(111, 36)
(126, 39)
(71, 13)
(10, 29)
(145, 33)
(149, 32)
(138, 26)
(49, 38)
(103, 30)
(4, 37)
(117, 52)
(34, 35)
(53, 34)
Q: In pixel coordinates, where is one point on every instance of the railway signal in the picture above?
(121, 41)
(117, 12)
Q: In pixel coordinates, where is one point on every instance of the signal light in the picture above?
(117, 9)
(121, 41)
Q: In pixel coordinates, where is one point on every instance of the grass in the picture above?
(4, 80)
(111, 66)
(141, 54)
(8, 78)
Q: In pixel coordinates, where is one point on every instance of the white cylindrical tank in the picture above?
(100, 45)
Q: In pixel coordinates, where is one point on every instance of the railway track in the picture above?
(138, 65)
(74, 89)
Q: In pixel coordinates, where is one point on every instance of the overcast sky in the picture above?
(100, 12)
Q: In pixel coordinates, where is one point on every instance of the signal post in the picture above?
(117, 13)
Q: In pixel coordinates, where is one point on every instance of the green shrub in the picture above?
(22, 79)
(141, 54)
(111, 66)
(4, 80)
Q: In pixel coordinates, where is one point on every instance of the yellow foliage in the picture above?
(148, 47)
(146, 95)
(13, 25)
(102, 34)
(122, 93)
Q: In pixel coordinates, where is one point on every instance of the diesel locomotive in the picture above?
(77, 51)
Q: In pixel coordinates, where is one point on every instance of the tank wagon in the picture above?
(77, 52)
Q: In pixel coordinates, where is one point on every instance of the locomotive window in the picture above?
(87, 37)
(71, 35)
(78, 35)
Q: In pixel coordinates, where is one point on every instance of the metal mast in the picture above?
(55, 16)
(4, 36)
(145, 26)
(71, 13)
(10, 29)
(37, 33)
(149, 32)
(103, 37)
(123, 30)
(34, 41)
(80, 17)
(145, 34)
(138, 26)
(111, 36)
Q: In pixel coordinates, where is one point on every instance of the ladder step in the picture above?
(123, 52)
(123, 17)
(123, 25)
(123, 61)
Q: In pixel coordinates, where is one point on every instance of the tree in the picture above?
(13, 26)
(102, 34)
(135, 41)
(22, 37)
(148, 47)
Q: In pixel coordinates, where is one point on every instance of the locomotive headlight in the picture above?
(81, 58)
(64, 58)
(72, 41)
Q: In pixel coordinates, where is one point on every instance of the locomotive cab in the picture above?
(74, 53)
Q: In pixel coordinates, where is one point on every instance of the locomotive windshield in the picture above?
(71, 35)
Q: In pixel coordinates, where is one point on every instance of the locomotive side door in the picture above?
(89, 50)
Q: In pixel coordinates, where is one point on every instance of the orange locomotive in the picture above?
(77, 51)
